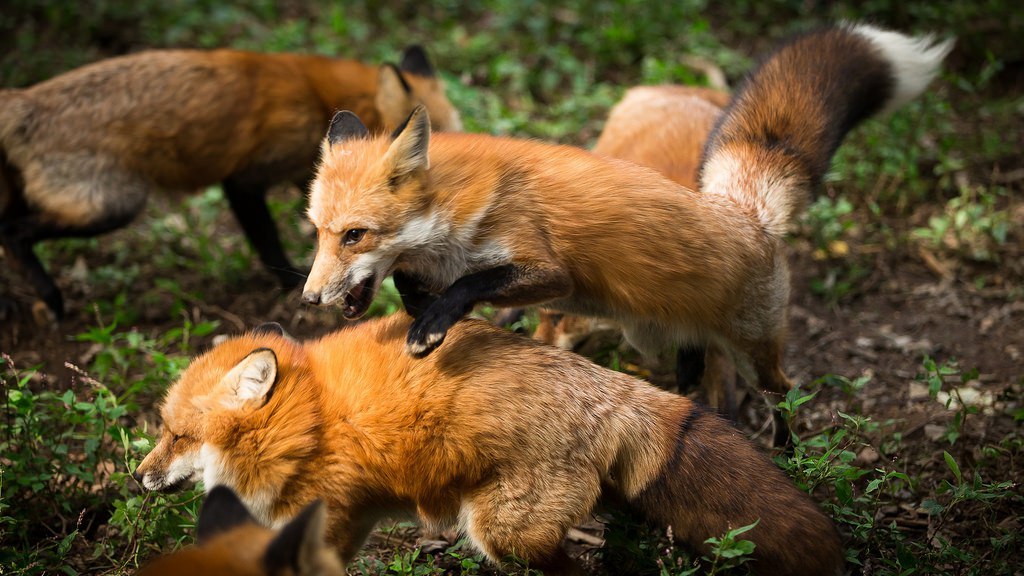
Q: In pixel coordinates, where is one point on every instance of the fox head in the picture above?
(231, 542)
(226, 421)
(367, 203)
(412, 83)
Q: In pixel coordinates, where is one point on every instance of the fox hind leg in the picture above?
(518, 520)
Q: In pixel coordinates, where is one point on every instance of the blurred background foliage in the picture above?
(517, 62)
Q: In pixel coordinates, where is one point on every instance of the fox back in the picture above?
(661, 127)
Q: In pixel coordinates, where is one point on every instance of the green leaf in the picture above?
(65, 543)
(953, 466)
(932, 507)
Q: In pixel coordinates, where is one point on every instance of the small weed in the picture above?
(972, 225)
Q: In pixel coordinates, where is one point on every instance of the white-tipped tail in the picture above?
(915, 60)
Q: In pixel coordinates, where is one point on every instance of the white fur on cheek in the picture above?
(181, 468)
(213, 467)
(216, 473)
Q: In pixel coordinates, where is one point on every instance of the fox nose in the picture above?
(311, 297)
(137, 476)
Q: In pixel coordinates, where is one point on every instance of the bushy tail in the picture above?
(774, 143)
(715, 480)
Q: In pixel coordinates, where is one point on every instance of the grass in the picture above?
(930, 177)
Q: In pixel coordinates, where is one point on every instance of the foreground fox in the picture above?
(508, 439)
(80, 153)
(231, 543)
(462, 219)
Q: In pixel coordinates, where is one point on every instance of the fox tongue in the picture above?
(352, 300)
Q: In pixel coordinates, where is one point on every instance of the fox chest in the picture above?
(441, 266)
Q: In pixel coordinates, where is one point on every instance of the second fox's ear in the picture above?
(222, 511)
(415, 61)
(272, 329)
(346, 126)
(409, 152)
(297, 547)
(249, 383)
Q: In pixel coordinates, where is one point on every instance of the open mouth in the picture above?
(358, 300)
(176, 486)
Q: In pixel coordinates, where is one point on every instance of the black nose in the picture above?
(137, 476)
(311, 297)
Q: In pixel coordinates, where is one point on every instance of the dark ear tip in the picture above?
(343, 116)
(222, 511)
(414, 50)
(416, 61)
(345, 125)
(286, 549)
(270, 328)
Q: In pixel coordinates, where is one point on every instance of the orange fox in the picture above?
(231, 543)
(664, 128)
(80, 153)
(505, 438)
(462, 219)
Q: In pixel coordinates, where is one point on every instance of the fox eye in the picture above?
(353, 236)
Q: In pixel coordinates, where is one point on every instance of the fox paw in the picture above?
(428, 331)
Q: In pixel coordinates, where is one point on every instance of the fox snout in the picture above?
(311, 297)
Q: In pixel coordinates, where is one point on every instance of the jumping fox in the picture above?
(232, 543)
(461, 219)
(80, 153)
(664, 128)
(509, 440)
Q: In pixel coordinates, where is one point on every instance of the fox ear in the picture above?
(415, 61)
(345, 126)
(272, 329)
(250, 382)
(297, 547)
(222, 511)
(391, 82)
(410, 151)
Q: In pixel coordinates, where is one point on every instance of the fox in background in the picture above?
(508, 439)
(231, 543)
(80, 153)
(462, 219)
(665, 128)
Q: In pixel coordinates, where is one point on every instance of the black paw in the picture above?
(429, 329)
(415, 298)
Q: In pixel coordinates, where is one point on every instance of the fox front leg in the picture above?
(507, 285)
(415, 297)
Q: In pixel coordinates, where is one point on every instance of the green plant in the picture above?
(972, 224)
(62, 477)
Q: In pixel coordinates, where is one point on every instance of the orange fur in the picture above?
(597, 236)
(664, 128)
(508, 439)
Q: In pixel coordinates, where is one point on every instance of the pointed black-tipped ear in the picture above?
(222, 511)
(390, 75)
(410, 150)
(295, 549)
(415, 61)
(346, 126)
